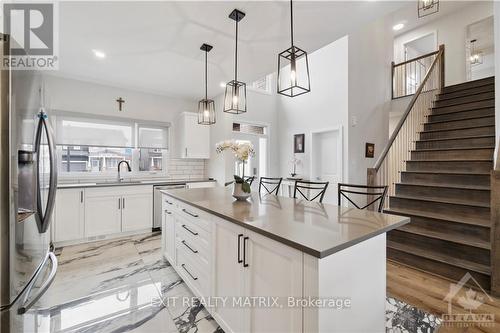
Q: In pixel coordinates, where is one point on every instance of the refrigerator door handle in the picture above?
(44, 219)
(25, 306)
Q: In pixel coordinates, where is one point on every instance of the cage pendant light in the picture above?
(206, 107)
(476, 57)
(235, 97)
(427, 7)
(293, 68)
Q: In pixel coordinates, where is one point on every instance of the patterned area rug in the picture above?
(402, 317)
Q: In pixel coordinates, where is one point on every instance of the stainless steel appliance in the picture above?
(157, 201)
(28, 178)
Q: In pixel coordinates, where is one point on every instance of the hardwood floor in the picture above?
(428, 292)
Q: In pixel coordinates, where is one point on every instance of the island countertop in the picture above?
(314, 228)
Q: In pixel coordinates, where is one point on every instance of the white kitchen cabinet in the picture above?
(193, 139)
(102, 212)
(201, 184)
(69, 215)
(137, 210)
(229, 274)
(275, 270)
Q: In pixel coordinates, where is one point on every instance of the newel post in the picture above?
(495, 232)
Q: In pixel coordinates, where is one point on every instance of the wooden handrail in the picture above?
(440, 54)
(417, 58)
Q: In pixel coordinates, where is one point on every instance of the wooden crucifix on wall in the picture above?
(120, 101)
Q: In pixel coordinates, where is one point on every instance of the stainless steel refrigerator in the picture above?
(28, 178)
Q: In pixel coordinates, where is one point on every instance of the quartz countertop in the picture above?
(132, 183)
(314, 228)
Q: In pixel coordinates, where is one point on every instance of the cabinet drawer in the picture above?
(187, 229)
(197, 216)
(191, 274)
(198, 255)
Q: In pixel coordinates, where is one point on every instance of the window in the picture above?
(92, 159)
(150, 159)
(249, 128)
(94, 145)
(263, 84)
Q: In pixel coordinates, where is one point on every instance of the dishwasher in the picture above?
(157, 213)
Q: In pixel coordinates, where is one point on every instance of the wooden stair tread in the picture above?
(449, 172)
(439, 98)
(453, 186)
(455, 111)
(443, 201)
(459, 119)
(439, 216)
(455, 129)
(458, 138)
(448, 160)
(447, 236)
(462, 103)
(437, 256)
(455, 148)
(469, 84)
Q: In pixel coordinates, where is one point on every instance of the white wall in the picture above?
(370, 53)
(326, 106)
(86, 97)
(451, 31)
(261, 109)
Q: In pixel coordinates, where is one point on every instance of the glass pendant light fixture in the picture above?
(427, 7)
(293, 68)
(476, 57)
(206, 107)
(235, 97)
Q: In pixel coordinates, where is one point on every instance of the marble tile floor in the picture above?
(118, 286)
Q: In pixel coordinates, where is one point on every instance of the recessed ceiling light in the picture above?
(398, 26)
(99, 54)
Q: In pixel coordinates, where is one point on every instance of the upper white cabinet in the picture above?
(69, 215)
(192, 139)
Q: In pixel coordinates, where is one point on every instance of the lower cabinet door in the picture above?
(229, 278)
(137, 211)
(69, 215)
(102, 214)
(168, 232)
(273, 270)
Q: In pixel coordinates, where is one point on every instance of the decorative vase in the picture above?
(239, 194)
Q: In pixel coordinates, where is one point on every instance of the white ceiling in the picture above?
(154, 46)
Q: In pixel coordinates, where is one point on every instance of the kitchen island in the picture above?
(275, 264)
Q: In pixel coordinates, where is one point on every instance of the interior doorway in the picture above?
(480, 54)
(327, 160)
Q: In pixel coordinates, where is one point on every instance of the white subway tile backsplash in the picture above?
(184, 168)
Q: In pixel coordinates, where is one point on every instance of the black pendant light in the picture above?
(427, 7)
(206, 107)
(235, 97)
(293, 68)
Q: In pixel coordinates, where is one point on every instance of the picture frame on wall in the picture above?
(299, 143)
(369, 150)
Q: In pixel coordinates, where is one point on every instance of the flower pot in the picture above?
(238, 192)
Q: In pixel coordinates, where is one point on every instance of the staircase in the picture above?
(445, 187)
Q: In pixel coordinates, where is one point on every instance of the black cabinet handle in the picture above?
(191, 275)
(170, 203)
(81, 196)
(168, 212)
(189, 247)
(191, 231)
(239, 246)
(245, 252)
(189, 213)
(123, 204)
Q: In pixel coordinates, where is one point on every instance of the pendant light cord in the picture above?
(206, 75)
(291, 22)
(236, 52)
